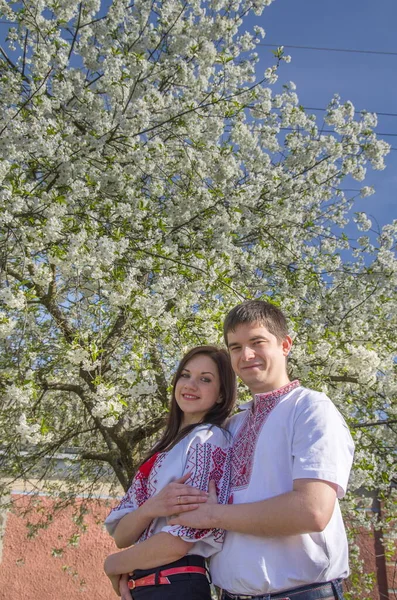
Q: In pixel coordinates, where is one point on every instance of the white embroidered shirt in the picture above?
(287, 434)
(206, 453)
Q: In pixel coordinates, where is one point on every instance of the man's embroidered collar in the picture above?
(268, 397)
(247, 435)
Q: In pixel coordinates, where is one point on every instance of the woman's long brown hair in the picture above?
(217, 415)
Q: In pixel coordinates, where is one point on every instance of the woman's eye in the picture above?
(184, 375)
(206, 380)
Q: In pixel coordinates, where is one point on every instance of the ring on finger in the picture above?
(178, 500)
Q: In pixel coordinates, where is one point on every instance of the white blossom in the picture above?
(12, 299)
(363, 222)
(29, 433)
(367, 191)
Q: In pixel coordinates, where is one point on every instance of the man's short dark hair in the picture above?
(257, 311)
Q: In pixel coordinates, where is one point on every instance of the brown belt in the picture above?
(162, 577)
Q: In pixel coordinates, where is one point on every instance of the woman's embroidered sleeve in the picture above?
(207, 461)
(137, 494)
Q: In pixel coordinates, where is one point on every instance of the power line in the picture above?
(381, 114)
(350, 50)
(377, 113)
(381, 52)
(378, 133)
(331, 131)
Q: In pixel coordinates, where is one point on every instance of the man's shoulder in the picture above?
(312, 403)
(304, 395)
(304, 400)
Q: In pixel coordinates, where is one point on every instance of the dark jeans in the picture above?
(184, 586)
(321, 591)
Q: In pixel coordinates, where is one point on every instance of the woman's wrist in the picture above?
(146, 509)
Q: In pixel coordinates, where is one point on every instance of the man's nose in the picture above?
(247, 353)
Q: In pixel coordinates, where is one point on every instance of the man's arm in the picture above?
(307, 508)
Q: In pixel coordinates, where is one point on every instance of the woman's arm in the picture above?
(174, 498)
(131, 526)
(160, 549)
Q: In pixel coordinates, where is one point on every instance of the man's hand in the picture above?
(175, 498)
(201, 518)
(307, 508)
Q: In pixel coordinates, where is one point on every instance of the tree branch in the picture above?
(114, 334)
(76, 32)
(374, 423)
(64, 387)
(8, 60)
(151, 427)
(102, 456)
(26, 102)
(159, 376)
(343, 378)
(24, 53)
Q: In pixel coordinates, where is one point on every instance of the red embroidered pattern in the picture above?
(208, 462)
(247, 436)
(150, 490)
(205, 461)
(148, 465)
(141, 489)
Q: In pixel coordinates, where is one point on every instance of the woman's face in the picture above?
(197, 389)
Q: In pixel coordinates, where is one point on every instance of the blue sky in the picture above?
(369, 81)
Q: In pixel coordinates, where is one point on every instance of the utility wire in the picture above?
(378, 133)
(381, 114)
(331, 131)
(381, 52)
(377, 113)
(350, 50)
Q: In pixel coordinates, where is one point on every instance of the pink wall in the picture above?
(28, 571)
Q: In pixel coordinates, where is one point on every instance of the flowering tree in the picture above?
(150, 180)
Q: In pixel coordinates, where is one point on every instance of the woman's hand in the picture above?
(123, 588)
(115, 581)
(175, 498)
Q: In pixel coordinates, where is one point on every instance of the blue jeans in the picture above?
(331, 590)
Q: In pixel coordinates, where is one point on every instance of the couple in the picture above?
(273, 480)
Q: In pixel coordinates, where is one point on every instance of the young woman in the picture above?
(169, 561)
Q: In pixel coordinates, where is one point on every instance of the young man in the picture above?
(292, 457)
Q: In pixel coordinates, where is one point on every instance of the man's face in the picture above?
(258, 357)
